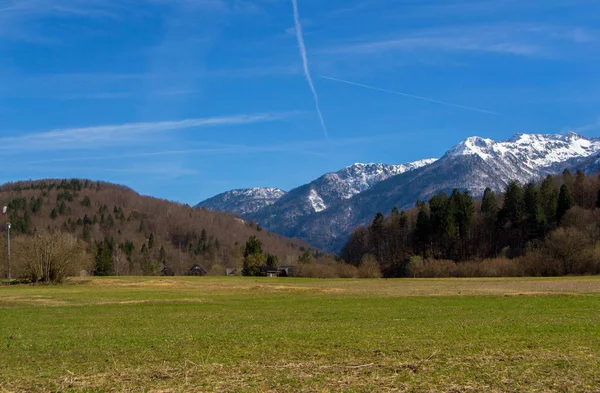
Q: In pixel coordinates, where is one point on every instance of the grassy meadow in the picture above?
(235, 334)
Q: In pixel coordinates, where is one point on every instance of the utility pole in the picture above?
(4, 211)
(8, 235)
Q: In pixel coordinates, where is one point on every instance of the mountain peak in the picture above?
(359, 177)
(473, 145)
(243, 201)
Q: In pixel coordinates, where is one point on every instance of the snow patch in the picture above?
(317, 203)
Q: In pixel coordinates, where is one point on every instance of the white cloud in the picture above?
(120, 134)
(513, 39)
(586, 128)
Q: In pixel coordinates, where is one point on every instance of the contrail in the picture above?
(410, 95)
(305, 64)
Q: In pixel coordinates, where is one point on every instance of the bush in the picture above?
(419, 267)
(345, 270)
(317, 270)
(572, 249)
(50, 257)
(216, 270)
(369, 267)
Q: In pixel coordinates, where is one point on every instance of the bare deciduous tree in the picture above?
(50, 257)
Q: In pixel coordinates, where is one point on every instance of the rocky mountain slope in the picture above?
(327, 191)
(243, 202)
(325, 211)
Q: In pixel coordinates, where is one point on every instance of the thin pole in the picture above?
(8, 254)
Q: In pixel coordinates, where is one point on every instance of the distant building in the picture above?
(167, 271)
(231, 272)
(197, 270)
(283, 271)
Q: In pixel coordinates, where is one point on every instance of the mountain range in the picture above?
(325, 211)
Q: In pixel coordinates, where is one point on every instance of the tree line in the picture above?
(124, 233)
(517, 223)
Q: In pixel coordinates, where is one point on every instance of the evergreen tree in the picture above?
(254, 258)
(53, 214)
(62, 209)
(272, 261)
(151, 241)
(489, 204)
(422, 229)
(86, 202)
(149, 268)
(512, 208)
(163, 255)
(305, 258)
(579, 190)
(86, 234)
(565, 202)
(535, 220)
(487, 230)
(27, 224)
(103, 258)
(549, 200)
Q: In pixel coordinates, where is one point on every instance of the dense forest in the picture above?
(119, 232)
(547, 228)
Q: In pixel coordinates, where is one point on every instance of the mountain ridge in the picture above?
(473, 164)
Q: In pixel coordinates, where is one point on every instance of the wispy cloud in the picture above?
(512, 39)
(416, 97)
(117, 135)
(304, 56)
(303, 147)
(586, 128)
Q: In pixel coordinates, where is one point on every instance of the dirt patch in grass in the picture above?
(41, 301)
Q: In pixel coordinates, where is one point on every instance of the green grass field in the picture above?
(288, 335)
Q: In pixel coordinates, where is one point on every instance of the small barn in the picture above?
(287, 271)
(197, 270)
(167, 271)
(231, 272)
(283, 271)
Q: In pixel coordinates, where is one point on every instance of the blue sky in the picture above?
(183, 99)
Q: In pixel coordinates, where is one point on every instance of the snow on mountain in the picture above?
(316, 201)
(244, 201)
(473, 165)
(524, 157)
(360, 177)
(326, 210)
(327, 192)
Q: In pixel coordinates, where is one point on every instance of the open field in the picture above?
(286, 335)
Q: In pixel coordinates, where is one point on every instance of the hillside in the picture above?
(177, 234)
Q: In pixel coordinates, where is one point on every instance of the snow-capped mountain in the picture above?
(359, 177)
(524, 156)
(328, 191)
(243, 202)
(473, 165)
(325, 211)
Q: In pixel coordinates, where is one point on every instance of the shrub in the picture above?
(216, 270)
(369, 267)
(317, 270)
(50, 257)
(345, 270)
(419, 267)
(571, 248)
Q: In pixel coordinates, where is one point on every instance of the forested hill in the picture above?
(546, 228)
(143, 233)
